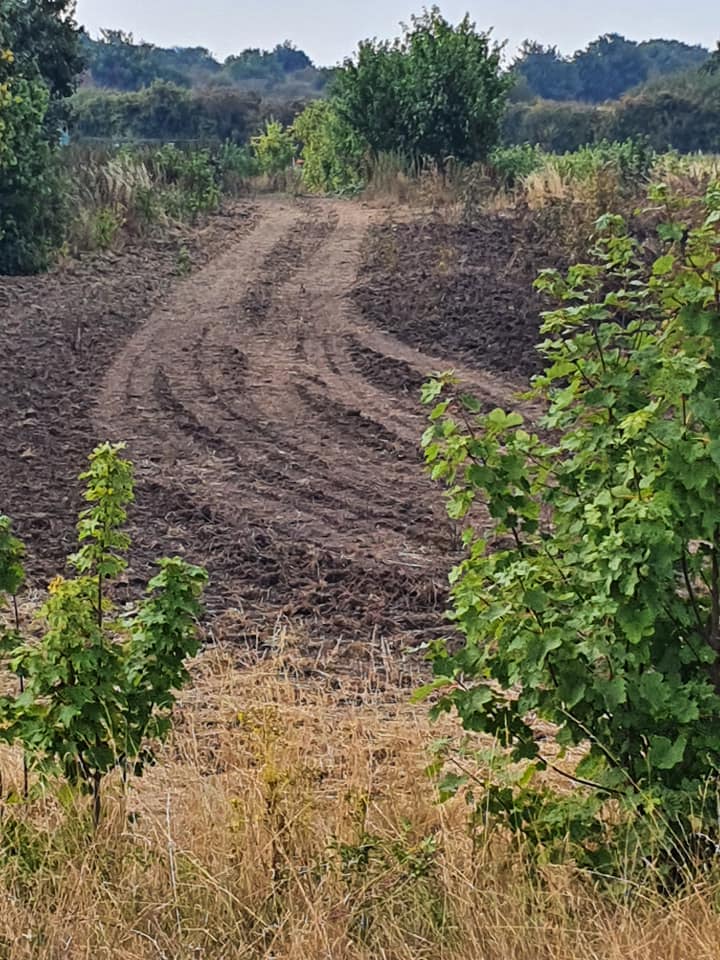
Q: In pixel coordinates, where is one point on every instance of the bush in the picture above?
(333, 154)
(274, 149)
(437, 93)
(32, 202)
(186, 181)
(511, 164)
(632, 160)
(237, 165)
(591, 598)
(97, 690)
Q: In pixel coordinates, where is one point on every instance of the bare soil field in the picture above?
(465, 292)
(270, 402)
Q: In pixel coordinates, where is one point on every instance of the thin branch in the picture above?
(693, 601)
(584, 783)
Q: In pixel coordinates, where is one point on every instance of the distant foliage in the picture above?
(681, 112)
(605, 70)
(713, 64)
(165, 111)
(589, 598)
(270, 66)
(117, 61)
(555, 127)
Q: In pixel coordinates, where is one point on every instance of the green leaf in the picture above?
(422, 693)
(663, 265)
(535, 600)
(450, 785)
(664, 754)
(614, 692)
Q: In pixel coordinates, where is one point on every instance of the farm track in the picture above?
(275, 435)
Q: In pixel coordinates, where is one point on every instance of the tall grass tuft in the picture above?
(133, 191)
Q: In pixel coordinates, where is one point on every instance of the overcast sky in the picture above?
(329, 31)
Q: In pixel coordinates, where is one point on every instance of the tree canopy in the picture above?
(45, 40)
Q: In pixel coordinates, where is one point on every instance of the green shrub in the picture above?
(98, 687)
(187, 181)
(105, 227)
(274, 149)
(333, 154)
(436, 93)
(237, 165)
(510, 164)
(632, 160)
(33, 210)
(590, 597)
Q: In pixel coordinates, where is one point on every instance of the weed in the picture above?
(183, 262)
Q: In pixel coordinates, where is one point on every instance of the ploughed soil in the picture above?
(465, 292)
(270, 403)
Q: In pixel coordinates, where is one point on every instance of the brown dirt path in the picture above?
(275, 434)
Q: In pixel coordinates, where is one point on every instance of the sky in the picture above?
(328, 30)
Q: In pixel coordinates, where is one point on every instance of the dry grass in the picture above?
(392, 181)
(290, 818)
(107, 192)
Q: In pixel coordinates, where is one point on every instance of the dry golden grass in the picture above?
(290, 818)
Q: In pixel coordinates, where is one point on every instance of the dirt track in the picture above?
(275, 433)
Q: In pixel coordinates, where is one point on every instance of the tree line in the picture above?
(116, 61)
(166, 112)
(604, 70)
(680, 112)
(662, 89)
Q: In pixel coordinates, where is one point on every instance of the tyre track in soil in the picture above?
(275, 435)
